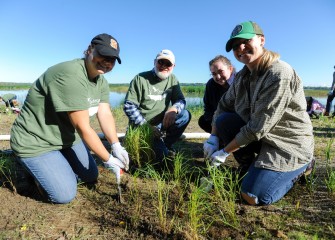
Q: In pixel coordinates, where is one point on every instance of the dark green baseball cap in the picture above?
(246, 30)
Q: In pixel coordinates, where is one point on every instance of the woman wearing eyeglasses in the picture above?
(148, 101)
(52, 136)
(262, 120)
(223, 73)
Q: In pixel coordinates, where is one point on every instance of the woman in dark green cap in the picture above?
(262, 120)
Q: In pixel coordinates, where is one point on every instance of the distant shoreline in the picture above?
(187, 88)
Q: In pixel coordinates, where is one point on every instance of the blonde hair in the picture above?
(266, 61)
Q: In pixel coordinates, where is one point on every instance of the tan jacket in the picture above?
(273, 106)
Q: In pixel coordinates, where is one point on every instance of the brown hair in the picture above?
(223, 59)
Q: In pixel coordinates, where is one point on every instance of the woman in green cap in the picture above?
(262, 120)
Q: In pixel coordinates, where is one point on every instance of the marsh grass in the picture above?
(330, 172)
(135, 198)
(226, 185)
(118, 113)
(139, 143)
(169, 201)
(198, 209)
(161, 198)
(196, 110)
(7, 171)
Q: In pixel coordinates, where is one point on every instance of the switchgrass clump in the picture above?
(7, 170)
(196, 109)
(330, 176)
(198, 209)
(136, 199)
(139, 144)
(180, 171)
(161, 198)
(330, 180)
(226, 188)
(118, 113)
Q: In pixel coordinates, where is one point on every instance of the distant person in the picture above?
(10, 100)
(148, 101)
(314, 107)
(52, 136)
(262, 120)
(331, 95)
(223, 74)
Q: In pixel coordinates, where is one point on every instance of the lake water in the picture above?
(116, 99)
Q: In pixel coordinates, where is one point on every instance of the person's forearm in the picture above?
(92, 140)
(232, 146)
(107, 125)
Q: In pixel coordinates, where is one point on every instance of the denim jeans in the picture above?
(57, 172)
(266, 186)
(329, 102)
(172, 134)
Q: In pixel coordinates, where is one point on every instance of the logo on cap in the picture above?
(113, 44)
(236, 30)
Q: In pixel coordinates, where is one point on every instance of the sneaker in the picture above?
(171, 152)
(303, 176)
(310, 167)
(326, 114)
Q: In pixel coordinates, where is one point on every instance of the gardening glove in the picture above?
(206, 184)
(211, 145)
(120, 152)
(218, 157)
(116, 166)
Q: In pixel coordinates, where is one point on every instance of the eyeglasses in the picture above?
(220, 72)
(166, 63)
(238, 44)
(105, 59)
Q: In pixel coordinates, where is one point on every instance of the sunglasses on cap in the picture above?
(164, 62)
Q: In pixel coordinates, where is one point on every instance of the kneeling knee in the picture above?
(63, 196)
(256, 200)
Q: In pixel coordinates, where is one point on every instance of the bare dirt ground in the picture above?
(97, 214)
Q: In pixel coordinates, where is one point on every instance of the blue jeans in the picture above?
(329, 102)
(173, 133)
(266, 186)
(57, 172)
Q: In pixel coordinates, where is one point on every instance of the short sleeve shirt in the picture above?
(153, 96)
(43, 124)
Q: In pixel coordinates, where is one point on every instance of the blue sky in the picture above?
(37, 34)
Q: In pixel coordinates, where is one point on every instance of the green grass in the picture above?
(170, 202)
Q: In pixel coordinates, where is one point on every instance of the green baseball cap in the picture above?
(246, 30)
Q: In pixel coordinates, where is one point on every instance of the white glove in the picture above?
(219, 157)
(115, 165)
(330, 93)
(206, 184)
(211, 145)
(120, 152)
